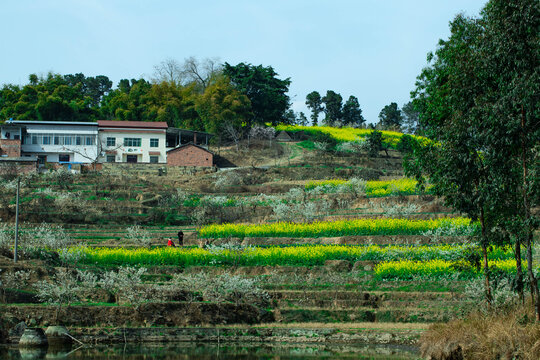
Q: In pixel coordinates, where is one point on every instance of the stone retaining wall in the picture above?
(154, 169)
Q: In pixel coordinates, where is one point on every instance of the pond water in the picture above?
(212, 351)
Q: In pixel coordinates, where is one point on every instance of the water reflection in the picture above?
(205, 351)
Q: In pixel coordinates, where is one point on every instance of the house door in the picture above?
(131, 158)
(41, 160)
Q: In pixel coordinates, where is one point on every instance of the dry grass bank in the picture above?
(511, 334)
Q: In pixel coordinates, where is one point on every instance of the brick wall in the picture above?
(190, 155)
(10, 147)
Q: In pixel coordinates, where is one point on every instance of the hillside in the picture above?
(333, 292)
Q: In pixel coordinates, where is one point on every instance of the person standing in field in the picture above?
(180, 238)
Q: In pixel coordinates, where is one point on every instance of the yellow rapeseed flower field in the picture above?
(305, 255)
(345, 134)
(406, 269)
(316, 229)
(373, 188)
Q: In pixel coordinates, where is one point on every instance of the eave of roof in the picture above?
(172, 130)
(190, 144)
(35, 122)
(133, 124)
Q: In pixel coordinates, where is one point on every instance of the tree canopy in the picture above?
(314, 103)
(55, 97)
(390, 117)
(199, 95)
(332, 107)
(478, 100)
(266, 92)
(351, 113)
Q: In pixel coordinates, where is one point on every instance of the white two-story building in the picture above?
(55, 142)
(133, 141)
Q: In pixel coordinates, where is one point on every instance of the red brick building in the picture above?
(190, 155)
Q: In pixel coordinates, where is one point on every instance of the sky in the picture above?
(372, 49)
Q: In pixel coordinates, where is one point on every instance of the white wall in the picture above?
(78, 153)
(12, 132)
(142, 152)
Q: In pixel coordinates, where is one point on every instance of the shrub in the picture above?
(321, 145)
(138, 235)
(222, 288)
(449, 229)
(228, 179)
(356, 186)
(63, 289)
(17, 280)
(6, 236)
(262, 133)
(406, 144)
(71, 256)
(61, 176)
(374, 143)
(354, 147)
(399, 210)
(125, 284)
(295, 212)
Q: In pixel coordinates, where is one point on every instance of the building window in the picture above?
(134, 142)
(46, 140)
(111, 141)
(34, 140)
(89, 140)
(111, 158)
(154, 159)
(78, 140)
(154, 142)
(57, 140)
(63, 157)
(67, 140)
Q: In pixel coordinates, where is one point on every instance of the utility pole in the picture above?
(17, 220)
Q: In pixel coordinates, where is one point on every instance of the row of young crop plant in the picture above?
(355, 227)
(372, 188)
(460, 269)
(306, 255)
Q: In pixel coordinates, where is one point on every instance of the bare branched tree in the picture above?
(200, 72)
(233, 133)
(92, 156)
(168, 70)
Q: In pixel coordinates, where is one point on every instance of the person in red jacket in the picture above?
(170, 243)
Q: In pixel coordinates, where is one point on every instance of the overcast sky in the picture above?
(372, 49)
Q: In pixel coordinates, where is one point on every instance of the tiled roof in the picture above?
(190, 144)
(133, 124)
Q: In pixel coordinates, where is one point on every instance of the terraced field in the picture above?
(338, 299)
